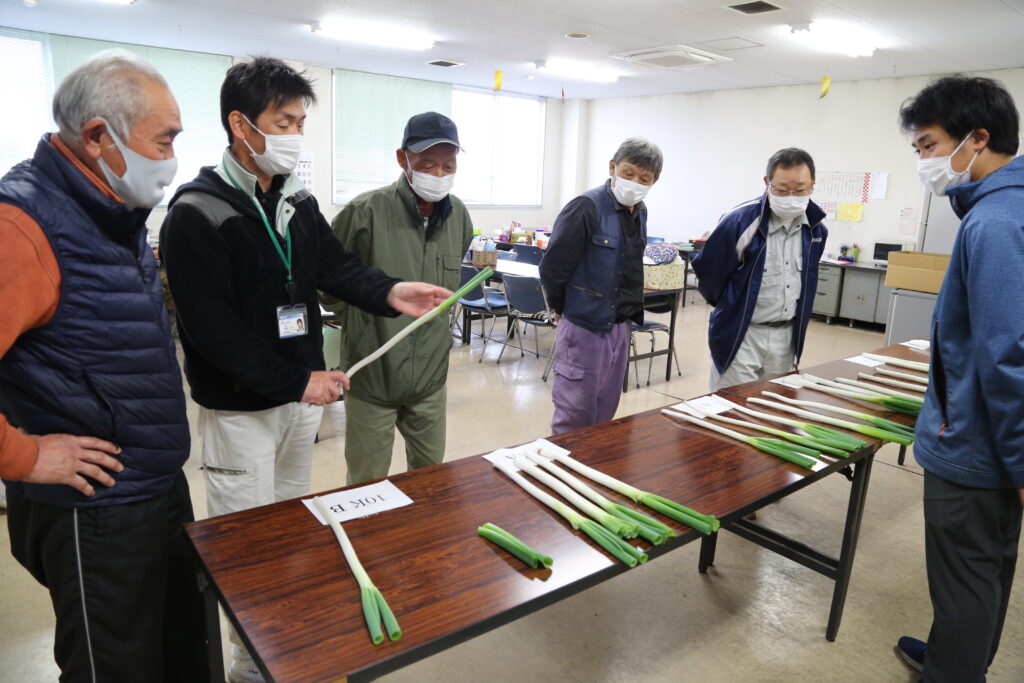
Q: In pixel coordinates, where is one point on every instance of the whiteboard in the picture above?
(938, 225)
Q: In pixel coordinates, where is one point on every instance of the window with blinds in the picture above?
(194, 78)
(502, 135)
(32, 82)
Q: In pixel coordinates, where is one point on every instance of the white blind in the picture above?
(370, 113)
(194, 78)
(26, 117)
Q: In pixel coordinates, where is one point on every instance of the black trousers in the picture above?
(971, 538)
(123, 586)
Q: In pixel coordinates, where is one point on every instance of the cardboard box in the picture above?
(916, 270)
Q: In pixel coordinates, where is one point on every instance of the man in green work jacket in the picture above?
(412, 229)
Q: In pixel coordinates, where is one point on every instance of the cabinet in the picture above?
(864, 295)
(830, 281)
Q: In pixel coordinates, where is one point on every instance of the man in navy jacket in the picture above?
(970, 434)
(758, 269)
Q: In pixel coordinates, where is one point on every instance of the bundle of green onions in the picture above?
(906, 404)
(884, 429)
(821, 433)
(902, 375)
(818, 445)
(900, 437)
(706, 524)
(899, 362)
(913, 386)
(375, 608)
(503, 539)
(647, 527)
(607, 540)
(794, 453)
(422, 320)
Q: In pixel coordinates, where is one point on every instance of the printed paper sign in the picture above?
(361, 502)
(919, 344)
(711, 404)
(508, 456)
(787, 381)
(861, 360)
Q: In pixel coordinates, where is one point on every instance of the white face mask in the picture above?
(142, 185)
(627, 192)
(431, 188)
(281, 154)
(788, 208)
(937, 174)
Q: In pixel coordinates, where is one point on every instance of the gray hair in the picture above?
(641, 152)
(107, 84)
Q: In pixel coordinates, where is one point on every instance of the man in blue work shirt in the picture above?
(970, 438)
(758, 270)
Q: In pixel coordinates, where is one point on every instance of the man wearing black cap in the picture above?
(411, 229)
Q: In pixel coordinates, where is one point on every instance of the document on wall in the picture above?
(361, 502)
(850, 212)
(842, 187)
(908, 221)
(304, 170)
(878, 185)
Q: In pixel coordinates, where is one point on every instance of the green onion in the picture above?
(610, 542)
(876, 389)
(706, 524)
(606, 519)
(648, 527)
(899, 362)
(810, 442)
(897, 404)
(375, 608)
(902, 375)
(866, 430)
(498, 536)
(781, 449)
(819, 432)
(422, 320)
(895, 428)
(913, 386)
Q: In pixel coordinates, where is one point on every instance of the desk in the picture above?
(284, 584)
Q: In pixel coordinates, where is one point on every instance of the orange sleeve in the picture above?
(29, 293)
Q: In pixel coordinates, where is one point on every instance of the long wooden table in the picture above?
(284, 584)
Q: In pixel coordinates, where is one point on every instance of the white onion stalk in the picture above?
(819, 432)
(810, 442)
(887, 429)
(798, 455)
(902, 375)
(892, 382)
(899, 362)
(647, 527)
(607, 540)
(706, 524)
(867, 430)
(893, 403)
(375, 608)
(877, 389)
(422, 320)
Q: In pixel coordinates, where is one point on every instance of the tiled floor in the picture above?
(754, 617)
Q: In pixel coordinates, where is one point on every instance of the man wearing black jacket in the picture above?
(246, 250)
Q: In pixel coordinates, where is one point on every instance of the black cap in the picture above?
(429, 129)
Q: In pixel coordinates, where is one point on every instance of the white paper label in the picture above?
(361, 502)
(861, 360)
(711, 404)
(919, 344)
(507, 456)
(787, 381)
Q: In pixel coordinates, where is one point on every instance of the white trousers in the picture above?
(764, 352)
(256, 458)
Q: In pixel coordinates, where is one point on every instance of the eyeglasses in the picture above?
(791, 193)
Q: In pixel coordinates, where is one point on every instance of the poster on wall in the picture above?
(304, 170)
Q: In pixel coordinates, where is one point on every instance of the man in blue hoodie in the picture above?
(970, 434)
(758, 270)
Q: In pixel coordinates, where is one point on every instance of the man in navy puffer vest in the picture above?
(93, 433)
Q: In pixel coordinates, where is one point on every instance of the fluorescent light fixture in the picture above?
(120, 2)
(831, 36)
(577, 71)
(377, 33)
(30, 3)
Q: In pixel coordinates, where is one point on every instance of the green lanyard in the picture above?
(285, 259)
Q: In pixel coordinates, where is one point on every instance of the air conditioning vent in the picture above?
(754, 7)
(671, 57)
(446, 63)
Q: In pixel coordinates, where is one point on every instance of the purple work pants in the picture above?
(589, 368)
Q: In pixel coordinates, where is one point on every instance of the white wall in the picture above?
(716, 145)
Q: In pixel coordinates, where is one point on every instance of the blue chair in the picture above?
(655, 240)
(528, 253)
(529, 306)
(649, 327)
(483, 302)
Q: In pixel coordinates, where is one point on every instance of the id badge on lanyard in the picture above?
(292, 321)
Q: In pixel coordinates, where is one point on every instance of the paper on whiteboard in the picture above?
(861, 360)
(710, 404)
(361, 502)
